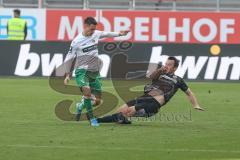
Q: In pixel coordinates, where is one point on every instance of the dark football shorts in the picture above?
(147, 103)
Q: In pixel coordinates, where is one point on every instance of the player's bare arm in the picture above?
(67, 78)
(114, 34)
(124, 33)
(192, 98)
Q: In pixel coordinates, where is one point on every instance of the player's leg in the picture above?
(88, 103)
(82, 80)
(96, 89)
(118, 117)
(95, 101)
(94, 98)
(145, 106)
(121, 115)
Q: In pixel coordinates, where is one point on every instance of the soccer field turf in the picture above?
(30, 129)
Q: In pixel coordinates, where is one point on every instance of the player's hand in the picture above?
(198, 108)
(163, 70)
(124, 33)
(66, 80)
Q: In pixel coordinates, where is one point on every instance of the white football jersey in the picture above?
(85, 50)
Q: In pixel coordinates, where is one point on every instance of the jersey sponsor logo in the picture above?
(90, 48)
(168, 78)
(70, 49)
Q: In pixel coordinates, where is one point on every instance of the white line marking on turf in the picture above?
(125, 148)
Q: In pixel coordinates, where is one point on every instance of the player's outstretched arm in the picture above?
(193, 100)
(114, 34)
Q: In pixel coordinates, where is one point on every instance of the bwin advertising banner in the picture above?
(197, 61)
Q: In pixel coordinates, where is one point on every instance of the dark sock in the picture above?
(110, 118)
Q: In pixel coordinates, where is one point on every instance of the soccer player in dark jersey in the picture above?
(163, 87)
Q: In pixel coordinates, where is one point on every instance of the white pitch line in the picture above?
(125, 148)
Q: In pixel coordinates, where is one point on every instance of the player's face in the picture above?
(89, 29)
(169, 65)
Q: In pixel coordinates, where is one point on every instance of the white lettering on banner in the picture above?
(121, 24)
(173, 29)
(65, 27)
(156, 27)
(197, 30)
(104, 21)
(193, 68)
(140, 28)
(24, 57)
(29, 62)
(225, 29)
(106, 64)
(211, 68)
(224, 68)
(47, 65)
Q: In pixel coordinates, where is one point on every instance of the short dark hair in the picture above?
(176, 61)
(17, 11)
(90, 20)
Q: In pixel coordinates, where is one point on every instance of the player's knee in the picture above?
(86, 91)
(97, 101)
(127, 111)
(86, 96)
(131, 111)
(123, 107)
(123, 110)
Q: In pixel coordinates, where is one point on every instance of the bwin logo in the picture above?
(29, 62)
(212, 67)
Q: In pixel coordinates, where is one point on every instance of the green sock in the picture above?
(88, 104)
(82, 107)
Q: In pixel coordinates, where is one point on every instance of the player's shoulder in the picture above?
(77, 39)
(74, 42)
(98, 32)
(178, 78)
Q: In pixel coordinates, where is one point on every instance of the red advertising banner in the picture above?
(150, 26)
(65, 24)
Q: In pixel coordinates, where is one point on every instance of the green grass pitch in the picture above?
(30, 130)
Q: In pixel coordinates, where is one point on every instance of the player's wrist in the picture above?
(68, 75)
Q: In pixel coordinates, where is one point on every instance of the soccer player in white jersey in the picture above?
(87, 66)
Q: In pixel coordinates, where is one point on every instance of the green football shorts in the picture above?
(89, 78)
